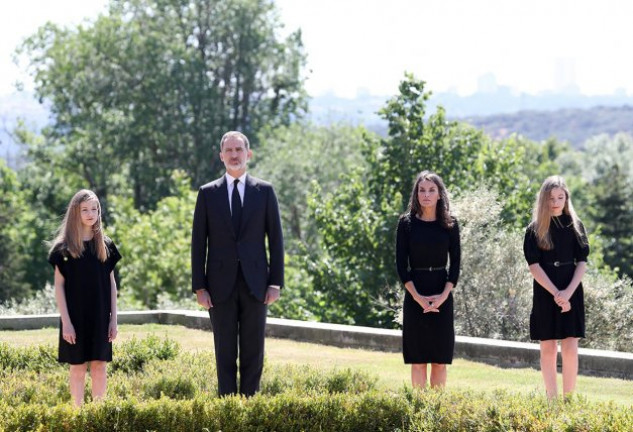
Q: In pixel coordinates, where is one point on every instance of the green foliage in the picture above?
(155, 245)
(151, 85)
(297, 299)
(406, 410)
(42, 302)
(493, 297)
(173, 387)
(611, 211)
(352, 275)
(291, 158)
(175, 391)
(133, 355)
(356, 273)
(515, 168)
(33, 358)
(609, 316)
(129, 357)
(13, 283)
(309, 381)
(464, 157)
(607, 169)
(419, 142)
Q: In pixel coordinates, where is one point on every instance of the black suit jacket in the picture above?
(216, 249)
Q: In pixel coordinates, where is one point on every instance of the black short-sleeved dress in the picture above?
(423, 250)
(547, 322)
(88, 297)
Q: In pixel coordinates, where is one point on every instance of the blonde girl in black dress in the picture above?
(556, 250)
(85, 290)
(427, 237)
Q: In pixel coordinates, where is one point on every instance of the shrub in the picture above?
(174, 387)
(407, 410)
(494, 292)
(493, 298)
(133, 355)
(33, 358)
(42, 302)
(172, 391)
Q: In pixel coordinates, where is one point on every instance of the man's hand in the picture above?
(204, 299)
(272, 295)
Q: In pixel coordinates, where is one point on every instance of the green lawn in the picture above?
(389, 369)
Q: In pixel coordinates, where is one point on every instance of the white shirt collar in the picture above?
(230, 179)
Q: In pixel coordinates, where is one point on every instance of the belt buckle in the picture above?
(556, 263)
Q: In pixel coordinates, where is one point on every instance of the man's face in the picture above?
(235, 156)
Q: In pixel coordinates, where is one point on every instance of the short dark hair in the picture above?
(234, 134)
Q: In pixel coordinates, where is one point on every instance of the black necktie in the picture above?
(236, 207)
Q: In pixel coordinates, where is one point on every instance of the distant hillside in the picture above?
(572, 118)
(572, 125)
(567, 117)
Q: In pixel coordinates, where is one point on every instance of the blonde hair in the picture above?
(69, 234)
(541, 215)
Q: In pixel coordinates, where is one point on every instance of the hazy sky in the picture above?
(366, 45)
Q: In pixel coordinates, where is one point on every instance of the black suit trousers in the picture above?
(239, 322)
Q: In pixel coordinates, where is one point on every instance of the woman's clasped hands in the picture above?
(431, 303)
(562, 299)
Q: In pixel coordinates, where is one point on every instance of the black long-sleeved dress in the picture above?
(423, 250)
(547, 322)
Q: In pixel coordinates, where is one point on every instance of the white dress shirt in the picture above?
(230, 180)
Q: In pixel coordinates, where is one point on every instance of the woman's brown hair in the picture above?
(442, 210)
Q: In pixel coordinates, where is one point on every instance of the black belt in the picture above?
(429, 268)
(559, 263)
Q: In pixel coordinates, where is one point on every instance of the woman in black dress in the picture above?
(556, 250)
(85, 290)
(427, 238)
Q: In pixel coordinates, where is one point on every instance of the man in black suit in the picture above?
(232, 275)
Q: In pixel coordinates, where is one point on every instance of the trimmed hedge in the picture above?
(371, 411)
(156, 388)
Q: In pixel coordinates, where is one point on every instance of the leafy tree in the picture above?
(353, 273)
(293, 158)
(47, 185)
(606, 167)
(12, 205)
(611, 210)
(151, 86)
(155, 245)
(493, 296)
(357, 222)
